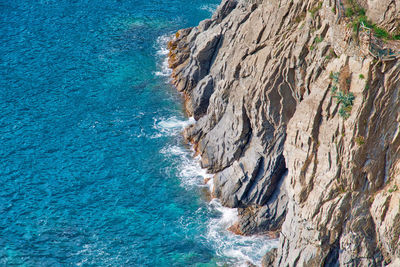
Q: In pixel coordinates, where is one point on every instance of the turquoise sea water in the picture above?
(93, 171)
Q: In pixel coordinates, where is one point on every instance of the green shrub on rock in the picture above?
(345, 100)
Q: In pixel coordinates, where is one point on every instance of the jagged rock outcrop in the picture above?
(271, 86)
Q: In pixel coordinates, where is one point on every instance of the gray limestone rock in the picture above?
(201, 96)
(269, 258)
(267, 218)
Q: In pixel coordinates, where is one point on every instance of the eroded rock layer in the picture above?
(300, 126)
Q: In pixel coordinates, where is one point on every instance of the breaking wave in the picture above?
(162, 56)
(209, 8)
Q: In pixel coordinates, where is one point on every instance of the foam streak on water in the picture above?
(162, 52)
(210, 8)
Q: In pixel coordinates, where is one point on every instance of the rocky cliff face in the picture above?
(300, 125)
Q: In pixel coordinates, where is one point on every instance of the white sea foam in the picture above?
(188, 170)
(170, 127)
(174, 123)
(210, 7)
(239, 249)
(162, 55)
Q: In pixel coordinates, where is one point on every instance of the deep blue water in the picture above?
(93, 170)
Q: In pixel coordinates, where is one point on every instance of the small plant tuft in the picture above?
(334, 89)
(349, 12)
(318, 39)
(360, 140)
(393, 189)
(361, 76)
(301, 17)
(380, 32)
(341, 188)
(332, 53)
(344, 112)
(315, 9)
(334, 76)
(345, 100)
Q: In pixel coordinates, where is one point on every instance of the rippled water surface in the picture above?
(93, 171)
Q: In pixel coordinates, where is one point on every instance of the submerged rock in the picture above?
(300, 125)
